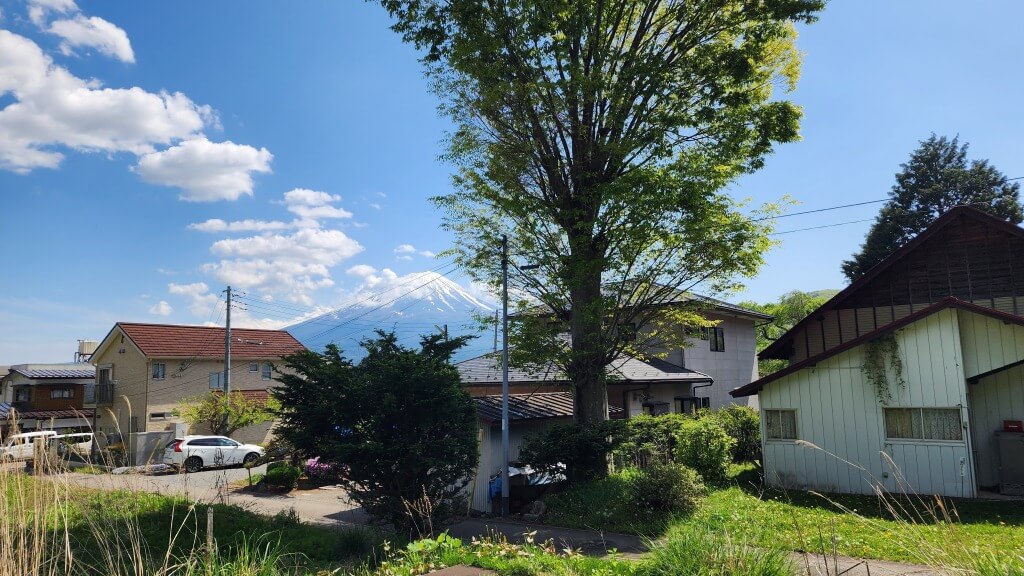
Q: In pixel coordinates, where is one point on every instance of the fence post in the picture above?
(209, 530)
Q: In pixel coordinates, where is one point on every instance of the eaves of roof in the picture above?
(775, 348)
(949, 302)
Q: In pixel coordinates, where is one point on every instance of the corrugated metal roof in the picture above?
(174, 341)
(86, 373)
(486, 369)
(6, 408)
(529, 406)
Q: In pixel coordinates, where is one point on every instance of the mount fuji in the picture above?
(417, 304)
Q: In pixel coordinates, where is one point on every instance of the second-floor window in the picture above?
(254, 366)
(266, 371)
(159, 370)
(22, 395)
(216, 380)
(716, 336)
(103, 376)
(56, 393)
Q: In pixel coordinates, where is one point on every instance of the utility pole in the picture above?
(495, 331)
(504, 376)
(227, 344)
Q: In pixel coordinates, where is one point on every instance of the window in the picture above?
(22, 395)
(923, 424)
(160, 415)
(159, 370)
(103, 376)
(690, 404)
(254, 366)
(216, 380)
(780, 424)
(266, 371)
(716, 335)
(204, 442)
(226, 443)
(90, 393)
(56, 393)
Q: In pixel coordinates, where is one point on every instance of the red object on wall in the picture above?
(1013, 426)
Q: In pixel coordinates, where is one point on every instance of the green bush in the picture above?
(704, 445)
(743, 423)
(581, 449)
(648, 440)
(665, 488)
(284, 476)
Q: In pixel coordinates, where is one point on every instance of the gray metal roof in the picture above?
(63, 373)
(486, 369)
(529, 406)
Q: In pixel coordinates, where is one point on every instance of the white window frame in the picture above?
(796, 425)
(920, 411)
(158, 371)
(61, 393)
(267, 373)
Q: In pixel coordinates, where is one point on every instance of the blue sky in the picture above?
(133, 134)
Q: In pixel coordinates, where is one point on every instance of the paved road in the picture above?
(322, 506)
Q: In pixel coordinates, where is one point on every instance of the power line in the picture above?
(817, 210)
(820, 227)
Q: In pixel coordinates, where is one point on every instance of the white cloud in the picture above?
(314, 205)
(218, 225)
(405, 249)
(403, 257)
(39, 9)
(54, 108)
(427, 254)
(161, 308)
(375, 206)
(361, 270)
(206, 171)
(93, 32)
(292, 264)
(202, 302)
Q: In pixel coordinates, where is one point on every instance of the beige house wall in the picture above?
(128, 372)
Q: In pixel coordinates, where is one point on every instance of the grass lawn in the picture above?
(801, 521)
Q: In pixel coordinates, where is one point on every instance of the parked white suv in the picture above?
(193, 453)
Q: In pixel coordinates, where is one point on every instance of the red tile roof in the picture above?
(256, 395)
(172, 341)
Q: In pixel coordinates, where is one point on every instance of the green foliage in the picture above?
(648, 440)
(705, 446)
(791, 308)
(284, 476)
(702, 551)
(743, 424)
(880, 355)
(601, 137)
(582, 449)
(665, 488)
(937, 177)
(224, 414)
(399, 423)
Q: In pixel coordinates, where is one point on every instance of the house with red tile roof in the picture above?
(144, 371)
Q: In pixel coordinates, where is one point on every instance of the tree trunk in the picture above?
(586, 368)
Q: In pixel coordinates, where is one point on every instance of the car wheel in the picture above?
(193, 464)
(249, 458)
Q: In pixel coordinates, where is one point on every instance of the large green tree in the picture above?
(225, 414)
(398, 425)
(599, 136)
(937, 177)
(791, 308)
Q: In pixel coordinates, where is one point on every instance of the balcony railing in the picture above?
(104, 394)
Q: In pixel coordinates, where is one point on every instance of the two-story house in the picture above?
(47, 396)
(144, 372)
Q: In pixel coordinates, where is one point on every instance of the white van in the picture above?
(79, 444)
(20, 446)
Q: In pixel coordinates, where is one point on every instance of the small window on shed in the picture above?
(780, 424)
(923, 424)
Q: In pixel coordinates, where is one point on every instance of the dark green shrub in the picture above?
(581, 449)
(399, 424)
(705, 446)
(665, 488)
(282, 476)
(743, 424)
(648, 440)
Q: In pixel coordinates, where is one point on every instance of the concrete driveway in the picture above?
(326, 506)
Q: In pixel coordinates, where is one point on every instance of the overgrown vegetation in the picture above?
(880, 356)
(964, 534)
(399, 423)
